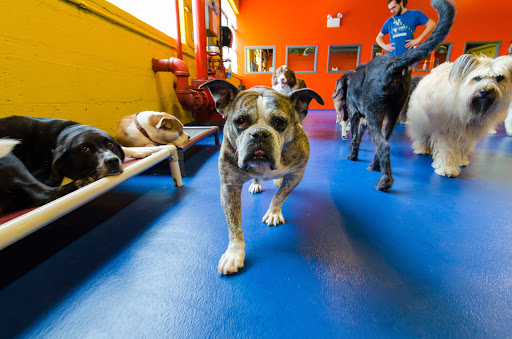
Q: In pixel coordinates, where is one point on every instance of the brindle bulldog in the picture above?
(262, 140)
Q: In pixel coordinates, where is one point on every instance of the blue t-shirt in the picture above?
(402, 27)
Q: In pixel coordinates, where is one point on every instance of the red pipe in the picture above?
(178, 30)
(177, 66)
(191, 99)
(200, 38)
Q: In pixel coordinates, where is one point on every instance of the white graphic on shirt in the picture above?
(399, 29)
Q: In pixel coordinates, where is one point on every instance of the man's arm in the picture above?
(380, 41)
(430, 25)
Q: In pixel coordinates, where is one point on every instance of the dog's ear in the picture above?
(462, 67)
(119, 150)
(223, 93)
(274, 78)
(292, 75)
(59, 156)
(300, 100)
(168, 123)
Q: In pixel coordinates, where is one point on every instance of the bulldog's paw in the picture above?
(273, 218)
(450, 172)
(231, 261)
(255, 188)
(278, 182)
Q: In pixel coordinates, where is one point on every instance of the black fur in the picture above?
(415, 80)
(378, 91)
(49, 150)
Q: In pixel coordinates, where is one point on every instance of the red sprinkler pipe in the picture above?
(191, 99)
(200, 38)
(178, 30)
(177, 66)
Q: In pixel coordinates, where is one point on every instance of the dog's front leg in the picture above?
(231, 199)
(274, 215)
(447, 157)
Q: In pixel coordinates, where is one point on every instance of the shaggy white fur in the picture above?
(455, 105)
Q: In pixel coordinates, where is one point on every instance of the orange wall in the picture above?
(305, 23)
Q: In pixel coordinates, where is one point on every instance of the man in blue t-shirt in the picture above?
(401, 27)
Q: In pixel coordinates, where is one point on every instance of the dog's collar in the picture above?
(143, 131)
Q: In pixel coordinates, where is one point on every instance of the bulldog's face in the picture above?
(260, 122)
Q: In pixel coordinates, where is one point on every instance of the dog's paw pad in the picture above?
(231, 261)
(273, 218)
(278, 182)
(255, 188)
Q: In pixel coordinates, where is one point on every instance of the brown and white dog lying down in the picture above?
(149, 129)
(284, 80)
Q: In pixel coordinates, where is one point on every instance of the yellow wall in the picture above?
(61, 61)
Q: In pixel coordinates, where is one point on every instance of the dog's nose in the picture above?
(485, 92)
(260, 135)
(112, 163)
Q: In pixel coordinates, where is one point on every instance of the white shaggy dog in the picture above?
(455, 105)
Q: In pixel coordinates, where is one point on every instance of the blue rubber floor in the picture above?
(430, 258)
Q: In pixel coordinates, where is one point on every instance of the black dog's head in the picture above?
(85, 151)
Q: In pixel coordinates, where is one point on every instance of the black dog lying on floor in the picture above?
(46, 152)
(378, 91)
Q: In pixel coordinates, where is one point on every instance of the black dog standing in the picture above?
(378, 91)
(48, 151)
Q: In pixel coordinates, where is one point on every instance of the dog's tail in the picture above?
(6, 146)
(446, 12)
